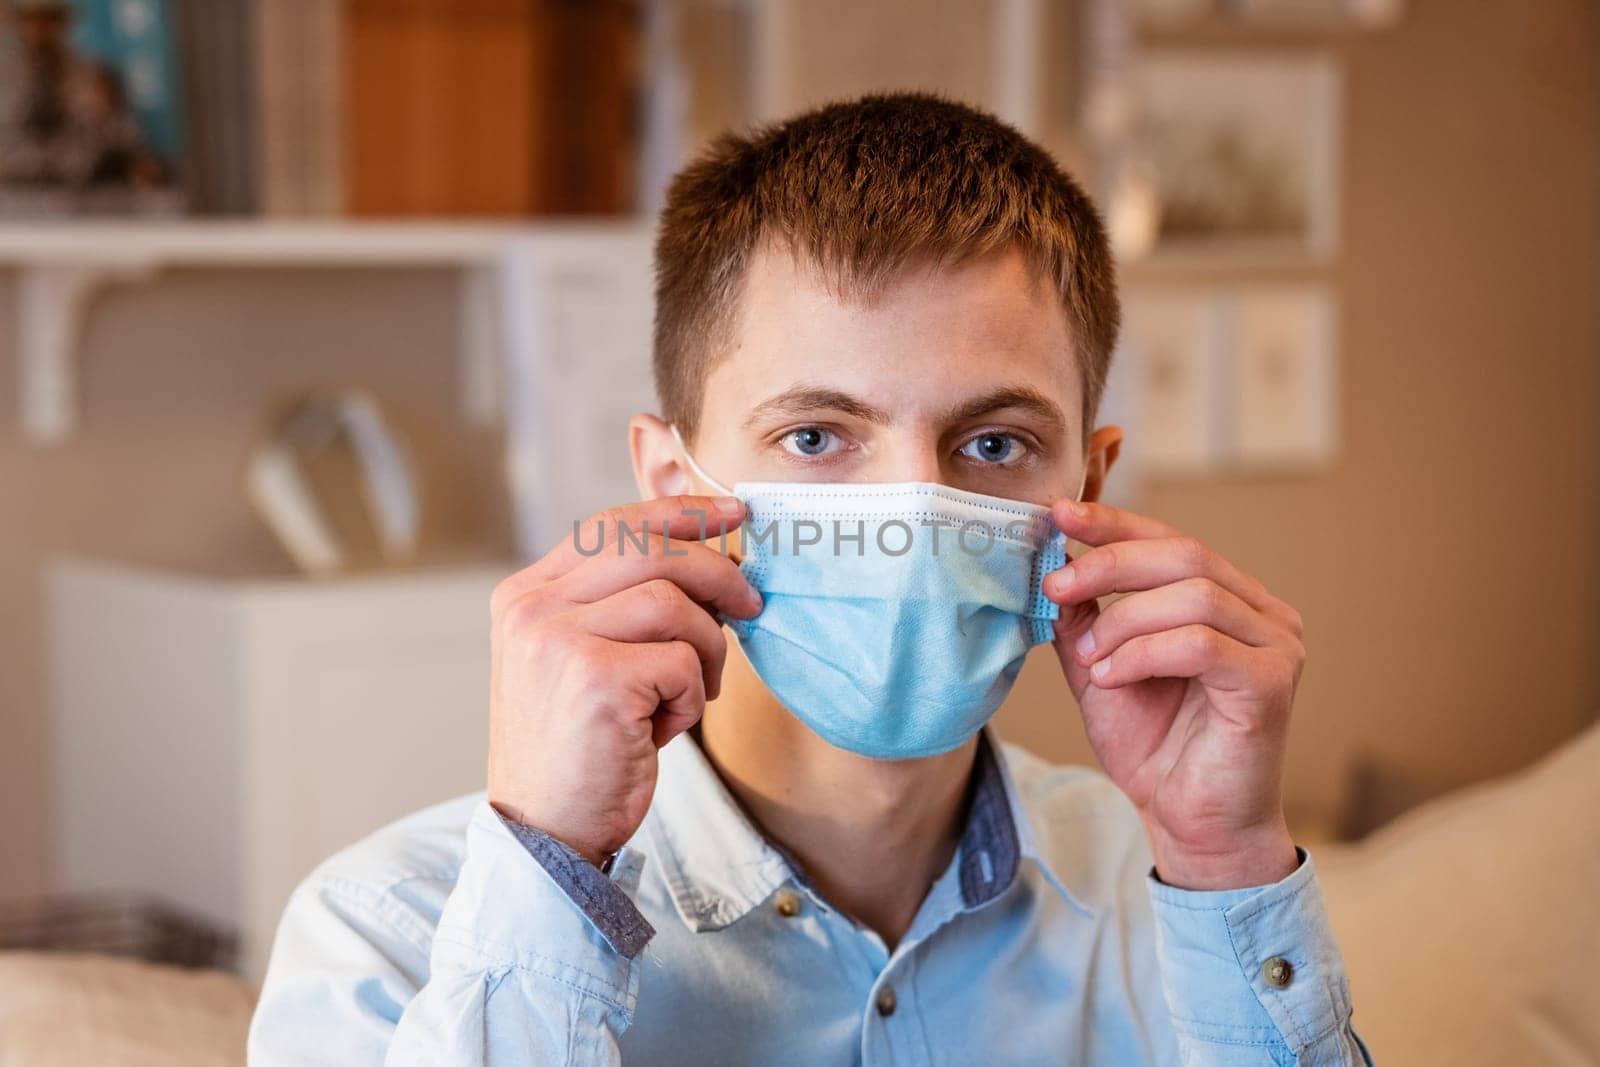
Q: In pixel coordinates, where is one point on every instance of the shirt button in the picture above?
(788, 903)
(1277, 972)
(886, 1001)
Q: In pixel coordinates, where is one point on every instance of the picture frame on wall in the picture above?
(1236, 378)
(1316, 15)
(1242, 151)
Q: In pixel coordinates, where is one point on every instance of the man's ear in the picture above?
(658, 467)
(1104, 444)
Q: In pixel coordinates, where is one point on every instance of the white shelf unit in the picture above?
(60, 268)
(214, 739)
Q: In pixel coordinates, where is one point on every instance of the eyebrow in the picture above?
(807, 399)
(804, 399)
(1021, 397)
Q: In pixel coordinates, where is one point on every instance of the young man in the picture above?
(894, 313)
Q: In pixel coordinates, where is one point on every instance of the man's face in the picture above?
(962, 375)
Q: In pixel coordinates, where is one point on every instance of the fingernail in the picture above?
(1076, 509)
(729, 505)
(1085, 645)
(1064, 578)
(1099, 669)
(755, 598)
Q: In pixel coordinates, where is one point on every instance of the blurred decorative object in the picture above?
(1238, 377)
(90, 116)
(1120, 176)
(1245, 154)
(213, 739)
(1133, 211)
(116, 924)
(333, 483)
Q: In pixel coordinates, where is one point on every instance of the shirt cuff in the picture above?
(601, 899)
(1251, 965)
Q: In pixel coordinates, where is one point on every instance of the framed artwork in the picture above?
(91, 119)
(1284, 400)
(1170, 360)
(1274, 14)
(1317, 13)
(1243, 155)
(1237, 378)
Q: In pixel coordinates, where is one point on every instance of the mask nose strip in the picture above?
(700, 472)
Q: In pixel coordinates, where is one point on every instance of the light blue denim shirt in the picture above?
(451, 937)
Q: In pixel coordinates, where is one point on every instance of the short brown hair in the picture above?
(860, 189)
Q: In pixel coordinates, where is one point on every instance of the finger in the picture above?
(682, 517)
(1197, 652)
(669, 672)
(1192, 601)
(1129, 566)
(654, 612)
(1074, 621)
(705, 574)
(1098, 524)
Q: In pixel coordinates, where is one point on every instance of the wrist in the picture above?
(1256, 856)
(596, 857)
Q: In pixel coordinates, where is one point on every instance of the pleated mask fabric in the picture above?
(896, 617)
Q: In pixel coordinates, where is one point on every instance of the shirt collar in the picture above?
(718, 866)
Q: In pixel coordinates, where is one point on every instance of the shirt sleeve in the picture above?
(603, 901)
(516, 971)
(1254, 975)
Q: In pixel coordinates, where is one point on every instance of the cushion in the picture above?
(1471, 925)
(60, 1009)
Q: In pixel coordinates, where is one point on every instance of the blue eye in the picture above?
(993, 448)
(811, 441)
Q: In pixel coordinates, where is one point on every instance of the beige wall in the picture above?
(1446, 567)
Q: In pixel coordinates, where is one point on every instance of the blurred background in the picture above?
(320, 316)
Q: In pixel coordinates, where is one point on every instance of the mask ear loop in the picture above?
(700, 472)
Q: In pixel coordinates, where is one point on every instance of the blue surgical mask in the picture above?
(896, 616)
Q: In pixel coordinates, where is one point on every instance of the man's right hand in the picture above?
(600, 658)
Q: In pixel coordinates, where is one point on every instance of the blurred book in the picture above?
(318, 108)
(491, 108)
(216, 43)
(298, 79)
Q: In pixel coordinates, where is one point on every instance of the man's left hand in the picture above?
(1185, 684)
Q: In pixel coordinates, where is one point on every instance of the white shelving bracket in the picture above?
(53, 301)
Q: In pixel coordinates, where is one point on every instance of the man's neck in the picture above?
(872, 836)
